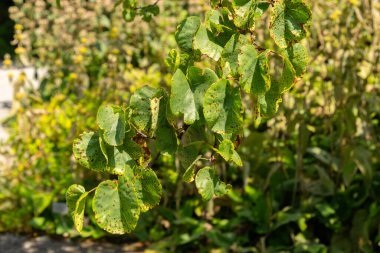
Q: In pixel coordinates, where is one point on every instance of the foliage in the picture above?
(84, 49)
(202, 116)
(310, 177)
(6, 30)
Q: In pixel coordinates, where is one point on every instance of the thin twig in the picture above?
(154, 160)
(142, 7)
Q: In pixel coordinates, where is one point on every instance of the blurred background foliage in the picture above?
(311, 175)
(6, 28)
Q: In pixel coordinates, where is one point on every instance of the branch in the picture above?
(142, 7)
(154, 160)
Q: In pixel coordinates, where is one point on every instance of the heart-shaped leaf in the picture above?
(148, 187)
(289, 19)
(298, 57)
(209, 185)
(76, 201)
(188, 92)
(206, 42)
(222, 108)
(140, 104)
(254, 70)
(88, 153)
(111, 119)
(246, 11)
(186, 32)
(116, 206)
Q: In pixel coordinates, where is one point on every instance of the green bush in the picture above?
(87, 50)
(310, 177)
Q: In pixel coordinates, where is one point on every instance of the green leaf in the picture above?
(166, 137)
(72, 195)
(215, 3)
(207, 44)
(111, 119)
(289, 19)
(236, 159)
(298, 57)
(79, 212)
(149, 188)
(209, 185)
(173, 60)
(182, 101)
(218, 21)
(189, 174)
(188, 156)
(141, 108)
(88, 153)
(155, 110)
(222, 108)
(149, 11)
(200, 80)
(197, 134)
(226, 149)
(188, 92)
(116, 206)
(75, 199)
(287, 78)
(123, 157)
(185, 33)
(246, 11)
(231, 51)
(244, 15)
(129, 15)
(254, 70)
(269, 103)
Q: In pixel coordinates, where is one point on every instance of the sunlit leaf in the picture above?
(111, 119)
(289, 19)
(88, 153)
(222, 108)
(207, 43)
(149, 188)
(76, 200)
(254, 70)
(116, 206)
(209, 184)
(186, 32)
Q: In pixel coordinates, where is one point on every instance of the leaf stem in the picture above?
(154, 160)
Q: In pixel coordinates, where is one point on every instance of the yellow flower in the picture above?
(20, 95)
(7, 62)
(20, 50)
(115, 51)
(10, 76)
(83, 50)
(78, 59)
(354, 2)
(132, 88)
(58, 62)
(336, 15)
(22, 77)
(73, 76)
(18, 36)
(83, 40)
(18, 27)
(114, 32)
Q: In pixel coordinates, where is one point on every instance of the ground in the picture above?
(10, 243)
